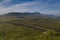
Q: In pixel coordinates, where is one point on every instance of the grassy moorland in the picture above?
(29, 28)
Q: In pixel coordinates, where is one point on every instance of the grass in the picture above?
(10, 31)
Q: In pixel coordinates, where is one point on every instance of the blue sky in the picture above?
(42, 6)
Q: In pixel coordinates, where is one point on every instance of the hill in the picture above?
(29, 26)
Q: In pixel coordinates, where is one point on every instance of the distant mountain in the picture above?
(23, 14)
(27, 14)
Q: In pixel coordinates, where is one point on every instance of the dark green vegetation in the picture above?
(26, 26)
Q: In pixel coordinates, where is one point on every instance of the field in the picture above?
(29, 28)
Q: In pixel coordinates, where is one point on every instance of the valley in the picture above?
(29, 26)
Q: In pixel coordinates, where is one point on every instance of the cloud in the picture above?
(23, 7)
(34, 6)
(5, 2)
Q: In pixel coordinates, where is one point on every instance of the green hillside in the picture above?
(10, 31)
(29, 27)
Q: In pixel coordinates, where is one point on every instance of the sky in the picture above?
(42, 6)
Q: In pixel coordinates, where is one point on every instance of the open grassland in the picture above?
(13, 28)
(10, 31)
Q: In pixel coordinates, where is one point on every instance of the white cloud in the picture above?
(28, 7)
(23, 7)
(5, 2)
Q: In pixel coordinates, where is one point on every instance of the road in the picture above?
(35, 27)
